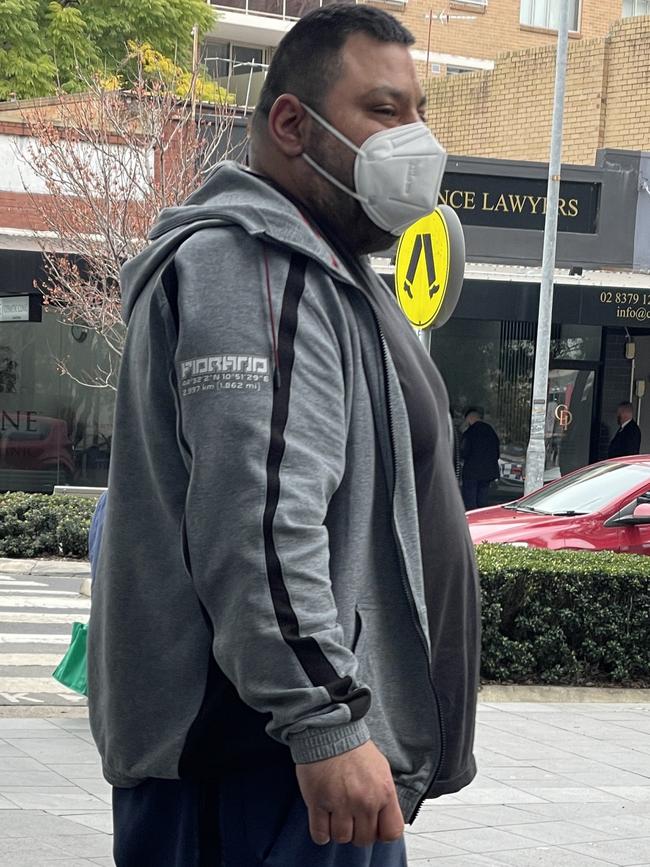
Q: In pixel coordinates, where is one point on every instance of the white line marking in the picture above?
(41, 617)
(29, 684)
(19, 659)
(9, 590)
(43, 602)
(11, 582)
(34, 638)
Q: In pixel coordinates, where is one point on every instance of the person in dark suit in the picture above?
(479, 449)
(627, 439)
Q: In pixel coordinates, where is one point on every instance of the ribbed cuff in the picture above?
(316, 744)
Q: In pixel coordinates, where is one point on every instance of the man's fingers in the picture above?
(319, 826)
(391, 822)
(365, 830)
(342, 827)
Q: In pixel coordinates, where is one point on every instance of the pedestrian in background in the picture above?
(627, 439)
(480, 452)
(284, 637)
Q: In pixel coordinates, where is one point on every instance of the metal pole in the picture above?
(425, 338)
(426, 75)
(536, 454)
(195, 65)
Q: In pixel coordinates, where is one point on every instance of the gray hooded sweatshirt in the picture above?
(261, 530)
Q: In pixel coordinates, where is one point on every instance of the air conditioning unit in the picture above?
(479, 4)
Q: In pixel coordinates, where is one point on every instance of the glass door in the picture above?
(569, 420)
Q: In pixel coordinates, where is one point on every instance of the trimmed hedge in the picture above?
(549, 617)
(564, 617)
(43, 525)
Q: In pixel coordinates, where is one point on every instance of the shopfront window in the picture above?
(576, 343)
(490, 365)
(53, 429)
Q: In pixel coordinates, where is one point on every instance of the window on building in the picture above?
(53, 430)
(459, 70)
(546, 13)
(635, 7)
(241, 69)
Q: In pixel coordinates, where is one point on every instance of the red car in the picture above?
(605, 506)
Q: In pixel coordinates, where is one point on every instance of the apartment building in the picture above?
(452, 36)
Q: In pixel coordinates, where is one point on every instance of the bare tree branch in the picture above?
(110, 161)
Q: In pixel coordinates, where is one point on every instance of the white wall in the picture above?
(18, 176)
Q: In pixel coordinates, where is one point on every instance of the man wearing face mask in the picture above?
(285, 547)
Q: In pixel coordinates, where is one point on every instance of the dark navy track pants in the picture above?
(246, 819)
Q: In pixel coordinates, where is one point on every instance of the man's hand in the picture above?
(351, 798)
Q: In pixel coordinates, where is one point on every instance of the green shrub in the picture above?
(564, 616)
(549, 617)
(40, 525)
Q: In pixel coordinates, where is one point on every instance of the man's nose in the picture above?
(413, 116)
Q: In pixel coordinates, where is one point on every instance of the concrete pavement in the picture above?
(560, 785)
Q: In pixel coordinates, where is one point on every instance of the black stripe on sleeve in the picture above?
(310, 656)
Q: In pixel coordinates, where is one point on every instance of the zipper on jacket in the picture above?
(405, 582)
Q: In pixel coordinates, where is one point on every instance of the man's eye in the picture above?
(387, 110)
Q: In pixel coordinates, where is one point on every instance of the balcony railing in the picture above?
(282, 9)
(244, 80)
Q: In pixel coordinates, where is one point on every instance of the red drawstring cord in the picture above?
(276, 357)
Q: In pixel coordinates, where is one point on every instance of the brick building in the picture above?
(506, 112)
(452, 36)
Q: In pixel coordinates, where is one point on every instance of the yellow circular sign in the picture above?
(422, 269)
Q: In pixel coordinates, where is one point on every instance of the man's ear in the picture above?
(286, 125)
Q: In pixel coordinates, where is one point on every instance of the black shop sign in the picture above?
(519, 203)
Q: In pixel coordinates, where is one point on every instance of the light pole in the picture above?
(536, 453)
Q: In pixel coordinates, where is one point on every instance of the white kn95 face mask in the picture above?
(397, 173)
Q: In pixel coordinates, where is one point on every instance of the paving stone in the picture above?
(569, 794)
(99, 821)
(559, 833)
(8, 750)
(620, 825)
(630, 793)
(499, 795)
(439, 820)
(84, 846)
(58, 750)
(55, 800)
(41, 778)
(19, 763)
(465, 860)
(548, 856)
(35, 823)
(75, 772)
(418, 846)
(482, 840)
(497, 815)
(625, 852)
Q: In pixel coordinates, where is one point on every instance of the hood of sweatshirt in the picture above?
(232, 195)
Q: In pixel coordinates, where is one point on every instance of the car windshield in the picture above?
(587, 491)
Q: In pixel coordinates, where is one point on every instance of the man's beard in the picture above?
(337, 212)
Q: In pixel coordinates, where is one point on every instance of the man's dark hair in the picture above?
(307, 60)
(475, 410)
(625, 404)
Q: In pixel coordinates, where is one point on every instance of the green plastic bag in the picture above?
(72, 670)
